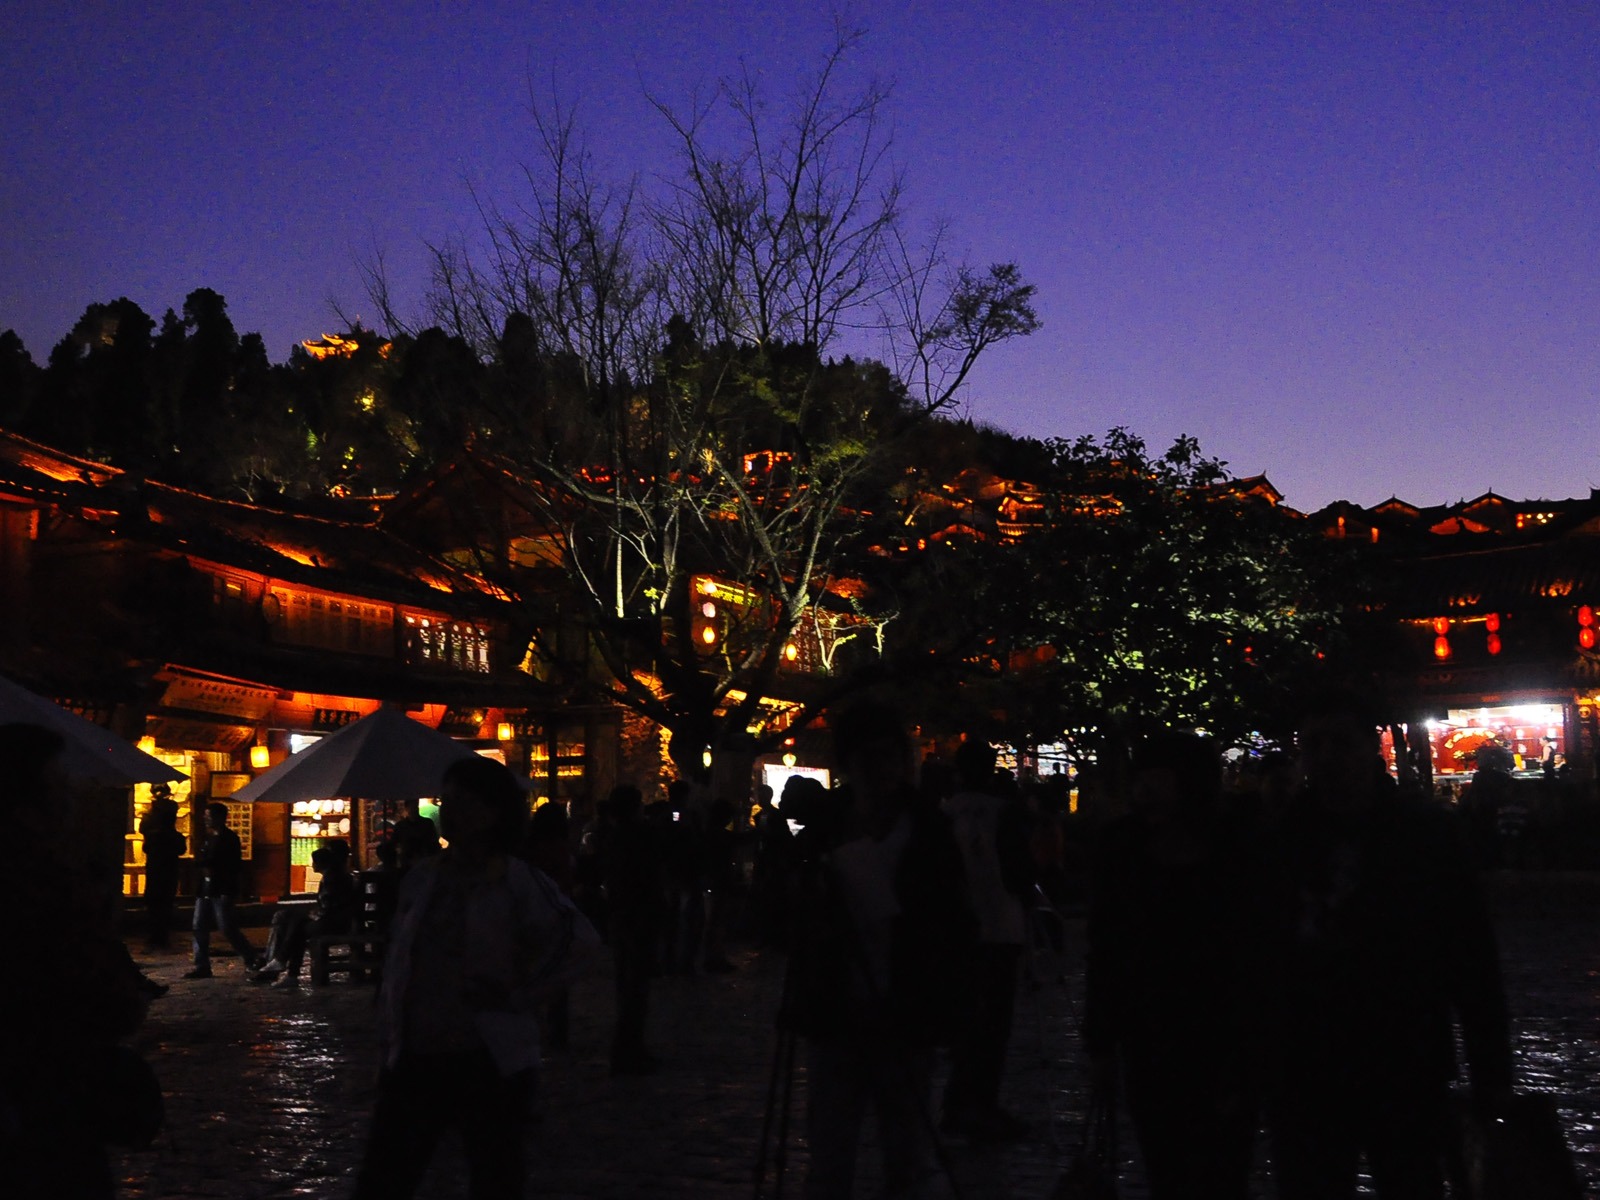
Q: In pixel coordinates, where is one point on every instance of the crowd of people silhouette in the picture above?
(1293, 957)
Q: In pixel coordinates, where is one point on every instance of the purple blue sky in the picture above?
(1355, 247)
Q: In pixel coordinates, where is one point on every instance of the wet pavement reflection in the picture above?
(269, 1088)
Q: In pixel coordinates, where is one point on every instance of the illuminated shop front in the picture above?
(133, 861)
(201, 727)
(312, 824)
(557, 753)
(1515, 734)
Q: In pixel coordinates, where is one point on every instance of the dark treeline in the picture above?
(191, 401)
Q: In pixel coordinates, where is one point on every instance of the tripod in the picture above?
(899, 1068)
(781, 1079)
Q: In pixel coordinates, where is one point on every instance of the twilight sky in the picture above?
(1355, 247)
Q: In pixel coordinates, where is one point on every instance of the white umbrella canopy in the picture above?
(385, 756)
(92, 754)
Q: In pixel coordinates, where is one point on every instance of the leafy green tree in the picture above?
(1153, 591)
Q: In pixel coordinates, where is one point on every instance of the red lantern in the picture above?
(1494, 643)
(1441, 625)
(1492, 622)
(1585, 616)
(1586, 637)
(1441, 648)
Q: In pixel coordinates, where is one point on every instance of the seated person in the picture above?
(337, 907)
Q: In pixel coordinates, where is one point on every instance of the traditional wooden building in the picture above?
(224, 635)
(1482, 628)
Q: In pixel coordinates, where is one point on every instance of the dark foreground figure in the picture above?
(1174, 972)
(883, 937)
(479, 943)
(68, 994)
(992, 833)
(1383, 936)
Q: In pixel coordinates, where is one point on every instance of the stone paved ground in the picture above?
(268, 1091)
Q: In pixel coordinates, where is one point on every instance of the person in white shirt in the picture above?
(479, 942)
(992, 833)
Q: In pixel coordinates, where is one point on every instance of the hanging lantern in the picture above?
(1494, 643)
(1441, 625)
(260, 758)
(1441, 648)
(1492, 622)
(1586, 637)
(1585, 616)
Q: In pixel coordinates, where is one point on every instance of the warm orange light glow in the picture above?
(1585, 616)
(1492, 622)
(1586, 637)
(294, 553)
(503, 731)
(708, 610)
(260, 758)
(1441, 647)
(147, 744)
(331, 345)
(708, 635)
(1494, 643)
(1441, 625)
(791, 652)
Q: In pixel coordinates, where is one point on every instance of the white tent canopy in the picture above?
(92, 754)
(386, 757)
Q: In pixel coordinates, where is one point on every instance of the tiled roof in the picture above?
(352, 556)
(1556, 572)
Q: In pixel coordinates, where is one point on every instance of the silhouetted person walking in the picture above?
(221, 864)
(1383, 936)
(992, 833)
(719, 845)
(883, 938)
(548, 848)
(681, 837)
(630, 856)
(163, 849)
(774, 861)
(1174, 972)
